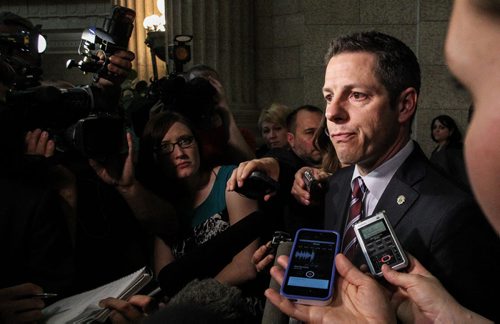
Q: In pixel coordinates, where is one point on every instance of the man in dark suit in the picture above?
(372, 84)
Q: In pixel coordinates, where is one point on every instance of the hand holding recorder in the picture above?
(309, 185)
(261, 174)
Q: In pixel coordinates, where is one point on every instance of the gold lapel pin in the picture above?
(401, 200)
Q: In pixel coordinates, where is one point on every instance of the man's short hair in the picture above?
(201, 70)
(397, 66)
(291, 119)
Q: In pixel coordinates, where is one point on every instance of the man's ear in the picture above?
(407, 104)
(291, 139)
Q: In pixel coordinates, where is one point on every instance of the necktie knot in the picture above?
(358, 188)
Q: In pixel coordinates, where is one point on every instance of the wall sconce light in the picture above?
(155, 40)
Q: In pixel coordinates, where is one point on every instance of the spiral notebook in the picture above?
(84, 307)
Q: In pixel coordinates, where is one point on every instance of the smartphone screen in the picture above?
(311, 267)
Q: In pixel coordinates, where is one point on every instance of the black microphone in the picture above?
(211, 257)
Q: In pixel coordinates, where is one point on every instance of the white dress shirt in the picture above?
(377, 180)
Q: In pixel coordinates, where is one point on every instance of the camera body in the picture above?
(97, 45)
(78, 119)
(21, 47)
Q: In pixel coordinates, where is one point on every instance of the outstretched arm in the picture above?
(155, 213)
(241, 268)
(268, 165)
(238, 147)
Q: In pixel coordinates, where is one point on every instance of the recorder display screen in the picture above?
(373, 229)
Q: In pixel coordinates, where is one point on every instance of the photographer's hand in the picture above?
(38, 143)
(237, 145)
(127, 177)
(221, 95)
(119, 67)
(155, 213)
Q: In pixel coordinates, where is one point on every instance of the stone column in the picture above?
(223, 38)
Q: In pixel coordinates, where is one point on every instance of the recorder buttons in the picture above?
(386, 258)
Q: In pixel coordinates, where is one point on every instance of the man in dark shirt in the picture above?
(285, 212)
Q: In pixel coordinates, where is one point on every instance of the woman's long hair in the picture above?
(150, 171)
(322, 142)
(455, 139)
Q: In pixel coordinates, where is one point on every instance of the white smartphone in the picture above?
(380, 244)
(310, 273)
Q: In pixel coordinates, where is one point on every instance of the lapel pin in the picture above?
(401, 200)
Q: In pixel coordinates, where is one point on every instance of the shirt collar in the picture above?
(377, 180)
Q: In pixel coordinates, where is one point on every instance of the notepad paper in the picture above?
(84, 307)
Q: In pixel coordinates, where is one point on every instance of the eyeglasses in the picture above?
(183, 142)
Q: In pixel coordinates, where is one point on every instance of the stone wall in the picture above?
(272, 50)
(293, 35)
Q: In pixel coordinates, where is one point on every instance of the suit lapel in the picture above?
(401, 192)
(337, 199)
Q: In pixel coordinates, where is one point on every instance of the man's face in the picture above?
(302, 141)
(472, 48)
(363, 128)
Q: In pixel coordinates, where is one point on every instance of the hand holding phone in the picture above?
(257, 185)
(310, 274)
(313, 185)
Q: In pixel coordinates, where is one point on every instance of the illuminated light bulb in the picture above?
(161, 6)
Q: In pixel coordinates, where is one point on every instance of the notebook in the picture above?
(84, 307)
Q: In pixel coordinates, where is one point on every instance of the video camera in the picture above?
(21, 48)
(79, 119)
(195, 99)
(97, 45)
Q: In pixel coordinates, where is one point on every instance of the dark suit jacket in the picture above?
(439, 224)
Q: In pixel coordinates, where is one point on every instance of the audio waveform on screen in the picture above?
(305, 255)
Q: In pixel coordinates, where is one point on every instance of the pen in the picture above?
(154, 292)
(44, 295)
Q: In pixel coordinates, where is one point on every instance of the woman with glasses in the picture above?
(171, 166)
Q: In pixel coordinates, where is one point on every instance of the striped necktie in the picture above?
(355, 214)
